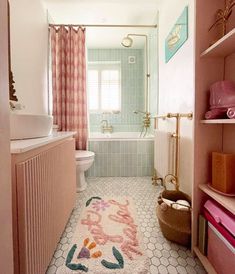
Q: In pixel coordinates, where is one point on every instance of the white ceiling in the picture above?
(127, 12)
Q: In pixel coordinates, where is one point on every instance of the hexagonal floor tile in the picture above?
(165, 257)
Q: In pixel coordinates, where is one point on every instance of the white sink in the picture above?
(27, 126)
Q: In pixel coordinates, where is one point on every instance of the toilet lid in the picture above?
(84, 154)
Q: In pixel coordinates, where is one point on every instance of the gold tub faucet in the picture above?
(105, 127)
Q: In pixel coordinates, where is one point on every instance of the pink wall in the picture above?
(6, 249)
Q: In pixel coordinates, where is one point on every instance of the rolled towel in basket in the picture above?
(231, 113)
(179, 204)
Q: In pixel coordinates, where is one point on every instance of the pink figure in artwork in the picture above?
(100, 205)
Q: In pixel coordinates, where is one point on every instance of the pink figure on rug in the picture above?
(100, 205)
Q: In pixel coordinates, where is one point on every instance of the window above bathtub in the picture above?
(104, 87)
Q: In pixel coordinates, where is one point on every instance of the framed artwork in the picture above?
(178, 35)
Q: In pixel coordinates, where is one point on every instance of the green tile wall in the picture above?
(122, 158)
(132, 89)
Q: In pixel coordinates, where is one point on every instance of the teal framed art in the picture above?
(178, 35)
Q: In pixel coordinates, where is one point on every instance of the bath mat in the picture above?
(107, 239)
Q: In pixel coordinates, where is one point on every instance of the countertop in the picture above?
(20, 146)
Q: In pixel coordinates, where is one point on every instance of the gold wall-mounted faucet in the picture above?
(105, 127)
(146, 122)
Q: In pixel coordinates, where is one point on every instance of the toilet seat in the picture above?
(81, 155)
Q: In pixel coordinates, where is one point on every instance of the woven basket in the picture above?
(175, 224)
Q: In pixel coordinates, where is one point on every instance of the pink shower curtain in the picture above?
(69, 82)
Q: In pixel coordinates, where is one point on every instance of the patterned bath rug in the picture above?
(107, 239)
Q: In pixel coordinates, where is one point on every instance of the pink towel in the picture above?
(215, 113)
(231, 113)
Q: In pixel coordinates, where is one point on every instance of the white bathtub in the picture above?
(119, 136)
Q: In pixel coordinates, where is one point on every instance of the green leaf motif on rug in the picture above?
(118, 256)
(69, 260)
(89, 201)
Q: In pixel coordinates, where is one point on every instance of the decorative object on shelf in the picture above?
(12, 90)
(177, 36)
(222, 100)
(222, 16)
(223, 172)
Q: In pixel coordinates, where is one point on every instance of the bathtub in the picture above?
(121, 154)
(119, 136)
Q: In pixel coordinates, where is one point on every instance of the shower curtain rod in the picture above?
(101, 26)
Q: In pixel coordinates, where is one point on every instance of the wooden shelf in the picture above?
(227, 202)
(223, 47)
(218, 121)
(205, 262)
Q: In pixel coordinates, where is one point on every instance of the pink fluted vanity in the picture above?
(44, 189)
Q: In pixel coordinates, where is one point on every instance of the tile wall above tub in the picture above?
(132, 89)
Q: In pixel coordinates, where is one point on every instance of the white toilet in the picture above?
(84, 160)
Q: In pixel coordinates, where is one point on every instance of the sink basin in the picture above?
(27, 126)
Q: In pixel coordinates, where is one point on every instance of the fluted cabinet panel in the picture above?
(45, 199)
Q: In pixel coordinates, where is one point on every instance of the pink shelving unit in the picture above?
(218, 121)
(213, 63)
(223, 47)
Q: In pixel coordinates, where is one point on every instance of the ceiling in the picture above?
(111, 12)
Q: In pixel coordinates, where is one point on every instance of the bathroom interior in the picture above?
(117, 136)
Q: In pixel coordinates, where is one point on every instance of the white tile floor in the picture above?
(164, 256)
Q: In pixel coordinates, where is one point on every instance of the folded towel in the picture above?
(215, 113)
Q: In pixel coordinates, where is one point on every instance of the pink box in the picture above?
(222, 217)
(220, 252)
